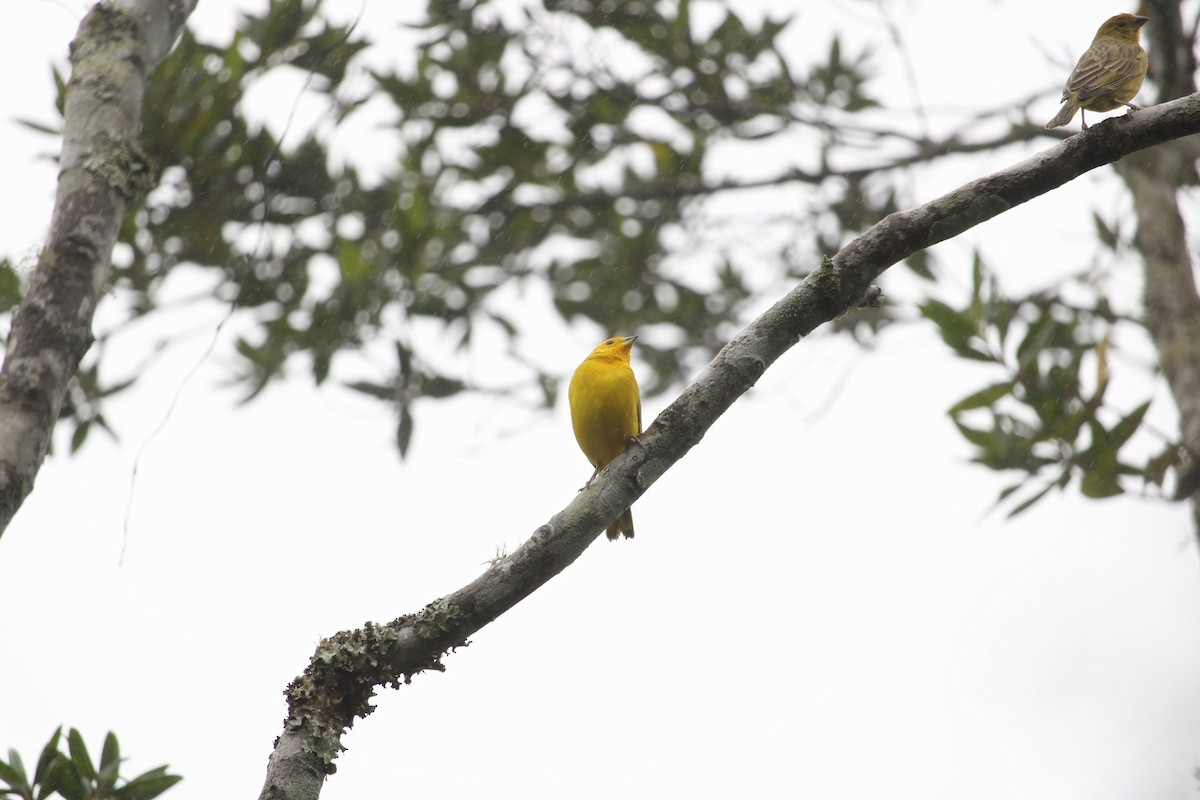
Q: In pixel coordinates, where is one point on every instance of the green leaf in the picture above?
(79, 755)
(1025, 505)
(976, 436)
(52, 778)
(1036, 338)
(79, 435)
(918, 263)
(116, 388)
(1124, 468)
(13, 776)
(373, 389)
(983, 398)
(70, 783)
(403, 358)
(977, 275)
(38, 127)
(1100, 482)
(404, 430)
(957, 328)
(1007, 492)
(49, 755)
(1156, 468)
(15, 764)
(10, 286)
(1108, 236)
(1123, 430)
(60, 87)
(975, 354)
(322, 360)
(437, 386)
(110, 760)
(1000, 312)
(147, 786)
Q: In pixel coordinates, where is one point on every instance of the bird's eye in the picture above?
(1120, 24)
(609, 343)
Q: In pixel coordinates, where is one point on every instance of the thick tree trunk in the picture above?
(1155, 179)
(101, 170)
(1172, 305)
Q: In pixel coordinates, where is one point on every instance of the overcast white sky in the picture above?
(817, 603)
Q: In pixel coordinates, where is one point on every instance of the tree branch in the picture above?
(101, 170)
(927, 150)
(342, 677)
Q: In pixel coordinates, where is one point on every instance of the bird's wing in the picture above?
(1102, 69)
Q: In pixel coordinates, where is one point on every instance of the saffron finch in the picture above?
(606, 411)
(1108, 74)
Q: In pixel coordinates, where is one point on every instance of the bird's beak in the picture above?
(628, 341)
(1141, 21)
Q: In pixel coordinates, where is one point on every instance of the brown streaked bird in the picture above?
(1109, 74)
(606, 411)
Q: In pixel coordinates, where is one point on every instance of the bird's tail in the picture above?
(1063, 116)
(623, 526)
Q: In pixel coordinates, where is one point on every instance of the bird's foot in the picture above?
(588, 485)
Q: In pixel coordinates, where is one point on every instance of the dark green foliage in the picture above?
(1046, 417)
(572, 154)
(525, 158)
(10, 287)
(75, 776)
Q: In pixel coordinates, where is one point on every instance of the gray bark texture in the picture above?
(1155, 179)
(347, 668)
(101, 170)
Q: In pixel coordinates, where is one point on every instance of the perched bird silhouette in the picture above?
(606, 411)
(1108, 74)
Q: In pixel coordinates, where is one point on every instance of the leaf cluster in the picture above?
(529, 163)
(1046, 416)
(574, 153)
(75, 776)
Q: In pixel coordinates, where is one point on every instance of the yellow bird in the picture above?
(606, 411)
(1109, 74)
